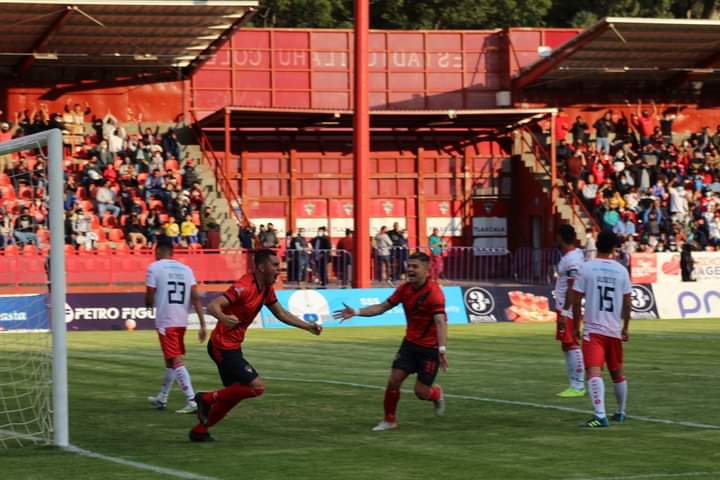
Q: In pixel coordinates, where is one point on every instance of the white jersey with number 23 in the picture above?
(172, 282)
(604, 282)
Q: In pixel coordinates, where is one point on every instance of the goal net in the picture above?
(33, 368)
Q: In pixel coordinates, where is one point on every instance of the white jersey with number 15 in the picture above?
(604, 283)
(172, 281)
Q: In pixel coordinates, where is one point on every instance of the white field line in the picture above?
(507, 402)
(652, 476)
(138, 465)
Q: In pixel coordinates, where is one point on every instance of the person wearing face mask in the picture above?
(321, 256)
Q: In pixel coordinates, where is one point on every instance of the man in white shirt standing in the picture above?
(570, 263)
(607, 289)
(171, 288)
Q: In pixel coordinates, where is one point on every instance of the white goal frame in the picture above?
(56, 217)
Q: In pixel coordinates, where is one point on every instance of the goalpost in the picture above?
(53, 140)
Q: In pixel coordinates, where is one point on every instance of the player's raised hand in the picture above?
(315, 328)
(344, 314)
(443, 362)
(202, 334)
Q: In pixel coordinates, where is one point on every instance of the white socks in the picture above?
(597, 395)
(167, 384)
(183, 379)
(621, 395)
(575, 368)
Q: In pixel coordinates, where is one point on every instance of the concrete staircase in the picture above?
(577, 218)
(214, 198)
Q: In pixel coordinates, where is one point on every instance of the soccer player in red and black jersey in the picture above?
(424, 348)
(235, 311)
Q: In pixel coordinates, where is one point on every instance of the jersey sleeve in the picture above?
(397, 296)
(436, 302)
(579, 283)
(234, 293)
(191, 277)
(271, 297)
(150, 279)
(572, 267)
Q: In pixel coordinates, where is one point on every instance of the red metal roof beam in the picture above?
(41, 43)
(542, 67)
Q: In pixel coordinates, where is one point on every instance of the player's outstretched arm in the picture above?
(441, 326)
(348, 312)
(216, 310)
(197, 304)
(290, 319)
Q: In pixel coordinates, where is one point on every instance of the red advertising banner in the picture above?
(643, 267)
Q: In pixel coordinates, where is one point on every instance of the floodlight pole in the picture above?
(57, 289)
(361, 149)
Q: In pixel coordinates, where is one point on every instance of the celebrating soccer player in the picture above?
(606, 286)
(570, 263)
(424, 347)
(235, 311)
(171, 287)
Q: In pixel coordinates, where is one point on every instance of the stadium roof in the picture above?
(300, 119)
(125, 36)
(665, 51)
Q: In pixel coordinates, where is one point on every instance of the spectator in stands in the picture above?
(645, 122)
(268, 238)
(189, 231)
(197, 197)
(297, 257)
(74, 120)
(437, 249)
(109, 125)
(25, 228)
(157, 162)
(153, 226)
(135, 233)
(321, 255)
(189, 175)
(687, 264)
(247, 237)
(7, 133)
(104, 155)
(82, 226)
(116, 142)
(624, 227)
(92, 173)
(6, 233)
(579, 131)
(398, 253)
(105, 198)
(70, 233)
(172, 230)
(171, 145)
(155, 186)
(344, 257)
(211, 229)
(603, 127)
(383, 244)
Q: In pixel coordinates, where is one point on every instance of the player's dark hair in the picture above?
(261, 256)
(420, 257)
(606, 242)
(164, 244)
(567, 234)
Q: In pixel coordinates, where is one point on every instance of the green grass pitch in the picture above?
(307, 427)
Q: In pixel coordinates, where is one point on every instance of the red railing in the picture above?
(221, 179)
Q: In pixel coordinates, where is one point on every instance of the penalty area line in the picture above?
(651, 476)
(138, 465)
(509, 402)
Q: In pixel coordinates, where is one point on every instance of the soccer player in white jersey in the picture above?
(567, 269)
(606, 286)
(171, 288)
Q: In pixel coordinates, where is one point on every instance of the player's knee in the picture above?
(258, 388)
(617, 376)
(422, 391)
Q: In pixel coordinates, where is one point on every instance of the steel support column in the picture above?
(553, 173)
(41, 43)
(228, 149)
(361, 149)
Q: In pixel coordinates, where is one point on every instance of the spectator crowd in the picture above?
(639, 179)
(123, 190)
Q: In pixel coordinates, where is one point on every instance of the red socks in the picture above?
(435, 393)
(222, 401)
(392, 397)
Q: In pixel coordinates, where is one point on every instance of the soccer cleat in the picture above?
(384, 425)
(158, 402)
(200, 436)
(618, 417)
(440, 405)
(596, 422)
(203, 409)
(190, 407)
(572, 393)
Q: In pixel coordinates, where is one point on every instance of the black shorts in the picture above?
(232, 366)
(424, 361)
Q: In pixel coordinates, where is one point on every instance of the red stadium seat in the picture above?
(103, 249)
(196, 218)
(7, 192)
(122, 248)
(86, 205)
(43, 235)
(164, 217)
(195, 248)
(156, 204)
(100, 232)
(5, 180)
(80, 194)
(69, 250)
(11, 250)
(142, 178)
(116, 235)
(109, 220)
(29, 249)
(94, 222)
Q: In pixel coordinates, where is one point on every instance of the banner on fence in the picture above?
(532, 303)
(688, 300)
(318, 305)
(23, 313)
(665, 267)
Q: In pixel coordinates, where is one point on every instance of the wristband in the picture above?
(566, 313)
(356, 312)
(442, 349)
